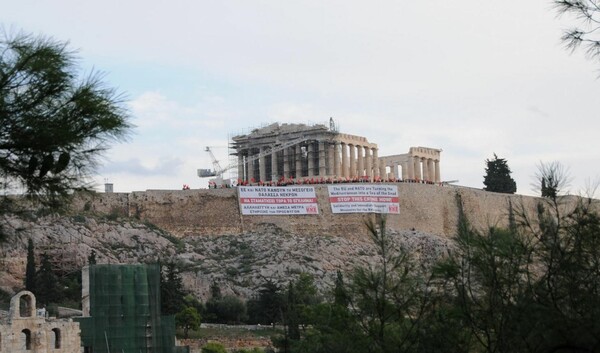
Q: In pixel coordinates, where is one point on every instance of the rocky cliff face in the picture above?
(204, 230)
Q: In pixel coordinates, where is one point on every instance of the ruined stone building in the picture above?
(27, 330)
(294, 151)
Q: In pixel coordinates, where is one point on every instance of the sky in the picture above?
(470, 77)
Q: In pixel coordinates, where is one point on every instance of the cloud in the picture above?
(135, 166)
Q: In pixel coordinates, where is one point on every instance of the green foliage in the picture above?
(188, 319)
(227, 309)
(388, 299)
(92, 257)
(489, 273)
(253, 350)
(586, 35)
(30, 267)
(215, 290)
(267, 308)
(54, 124)
(497, 176)
(71, 290)
(191, 301)
(172, 293)
(213, 347)
(552, 179)
(47, 284)
(340, 292)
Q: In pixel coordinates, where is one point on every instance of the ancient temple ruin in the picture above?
(27, 329)
(294, 151)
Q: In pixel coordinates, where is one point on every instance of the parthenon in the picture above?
(295, 151)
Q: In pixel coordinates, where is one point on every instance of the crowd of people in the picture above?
(313, 181)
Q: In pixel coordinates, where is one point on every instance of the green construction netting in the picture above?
(125, 312)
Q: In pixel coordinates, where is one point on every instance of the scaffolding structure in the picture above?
(121, 311)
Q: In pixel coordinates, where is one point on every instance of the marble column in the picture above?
(274, 172)
(337, 160)
(311, 159)
(383, 170)
(330, 159)
(438, 178)
(369, 163)
(404, 170)
(322, 161)
(286, 163)
(431, 170)
(262, 164)
(417, 162)
(411, 168)
(360, 161)
(298, 162)
(375, 163)
(352, 151)
(345, 166)
(426, 169)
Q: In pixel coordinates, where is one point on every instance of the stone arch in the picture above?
(22, 305)
(56, 338)
(25, 339)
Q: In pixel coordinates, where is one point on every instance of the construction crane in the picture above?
(218, 171)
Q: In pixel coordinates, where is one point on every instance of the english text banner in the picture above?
(357, 198)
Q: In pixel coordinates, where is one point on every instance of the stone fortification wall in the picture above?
(425, 208)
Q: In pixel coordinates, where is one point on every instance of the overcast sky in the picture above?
(470, 77)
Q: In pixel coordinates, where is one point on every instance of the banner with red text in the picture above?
(368, 198)
(284, 200)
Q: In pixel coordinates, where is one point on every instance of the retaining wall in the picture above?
(214, 212)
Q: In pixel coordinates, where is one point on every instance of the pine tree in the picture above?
(54, 124)
(171, 290)
(497, 176)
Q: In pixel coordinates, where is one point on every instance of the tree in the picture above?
(489, 274)
(53, 124)
(92, 257)
(227, 309)
(30, 268)
(497, 176)
(340, 292)
(172, 293)
(551, 179)
(47, 283)
(188, 319)
(389, 298)
(565, 297)
(266, 308)
(586, 35)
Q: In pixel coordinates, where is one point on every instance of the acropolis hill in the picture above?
(205, 230)
(428, 208)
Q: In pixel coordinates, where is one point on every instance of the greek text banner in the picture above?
(258, 200)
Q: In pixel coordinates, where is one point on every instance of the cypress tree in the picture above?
(30, 268)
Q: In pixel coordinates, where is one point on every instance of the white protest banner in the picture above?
(357, 198)
(284, 200)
